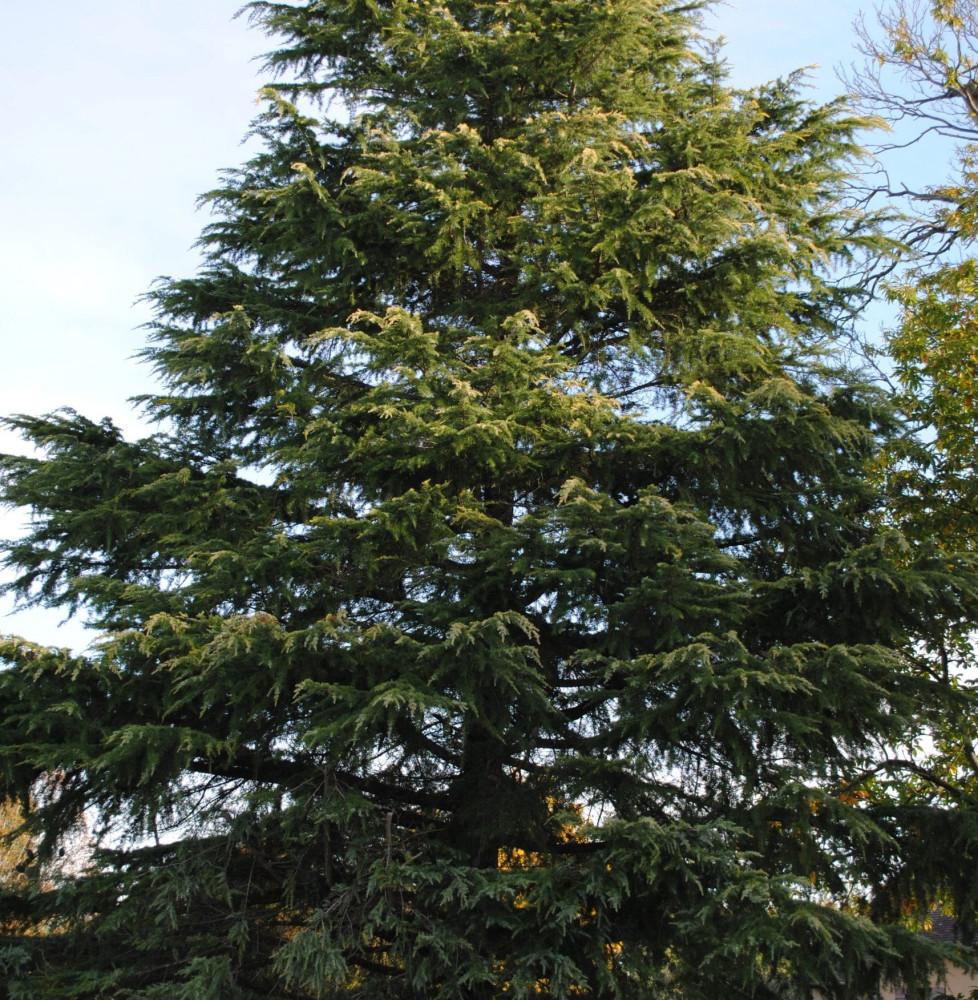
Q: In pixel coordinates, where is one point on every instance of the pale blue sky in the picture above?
(118, 114)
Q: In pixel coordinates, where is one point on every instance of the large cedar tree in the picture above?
(503, 607)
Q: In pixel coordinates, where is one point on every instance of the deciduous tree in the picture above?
(502, 607)
(921, 72)
(15, 850)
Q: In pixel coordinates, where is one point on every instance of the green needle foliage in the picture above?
(501, 609)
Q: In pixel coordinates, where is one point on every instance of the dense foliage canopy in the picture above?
(504, 606)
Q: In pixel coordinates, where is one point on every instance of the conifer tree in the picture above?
(502, 607)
